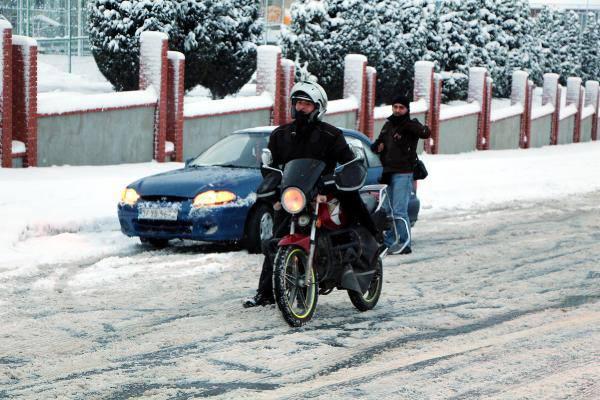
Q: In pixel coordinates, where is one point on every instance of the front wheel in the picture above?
(367, 300)
(296, 300)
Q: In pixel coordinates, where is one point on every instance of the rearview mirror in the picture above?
(358, 151)
(266, 157)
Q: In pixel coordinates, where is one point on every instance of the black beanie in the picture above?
(400, 99)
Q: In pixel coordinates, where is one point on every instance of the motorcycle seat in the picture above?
(370, 202)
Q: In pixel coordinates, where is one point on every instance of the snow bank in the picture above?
(65, 102)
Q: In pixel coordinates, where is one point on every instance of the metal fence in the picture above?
(59, 26)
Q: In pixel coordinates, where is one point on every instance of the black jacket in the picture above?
(318, 140)
(400, 136)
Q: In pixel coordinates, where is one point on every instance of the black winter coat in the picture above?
(319, 140)
(400, 136)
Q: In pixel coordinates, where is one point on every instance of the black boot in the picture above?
(259, 299)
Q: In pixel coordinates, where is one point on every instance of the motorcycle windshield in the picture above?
(302, 173)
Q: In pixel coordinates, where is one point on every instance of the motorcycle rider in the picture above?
(307, 136)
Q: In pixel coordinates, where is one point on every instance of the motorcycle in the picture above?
(322, 251)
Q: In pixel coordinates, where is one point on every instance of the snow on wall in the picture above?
(550, 91)
(66, 102)
(342, 105)
(459, 111)
(151, 62)
(477, 77)
(354, 69)
(18, 147)
(506, 112)
(226, 106)
(573, 90)
(566, 112)
(518, 90)
(423, 80)
(542, 111)
(267, 60)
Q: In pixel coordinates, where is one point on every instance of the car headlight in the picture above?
(129, 197)
(213, 198)
(293, 200)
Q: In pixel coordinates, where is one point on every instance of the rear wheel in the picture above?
(259, 227)
(367, 300)
(296, 300)
(154, 242)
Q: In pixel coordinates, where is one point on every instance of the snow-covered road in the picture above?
(500, 302)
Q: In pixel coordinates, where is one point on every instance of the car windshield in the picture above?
(240, 150)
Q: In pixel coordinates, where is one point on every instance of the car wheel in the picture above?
(259, 227)
(154, 242)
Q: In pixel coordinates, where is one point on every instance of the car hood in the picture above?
(188, 182)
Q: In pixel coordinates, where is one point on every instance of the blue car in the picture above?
(213, 197)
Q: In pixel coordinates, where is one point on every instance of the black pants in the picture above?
(281, 224)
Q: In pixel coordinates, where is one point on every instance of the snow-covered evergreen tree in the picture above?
(323, 33)
(567, 44)
(404, 37)
(590, 54)
(453, 55)
(219, 43)
(115, 27)
(545, 29)
(217, 37)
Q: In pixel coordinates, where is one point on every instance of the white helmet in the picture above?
(313, 92)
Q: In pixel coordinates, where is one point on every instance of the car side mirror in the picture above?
(266, 157)
(188, 161)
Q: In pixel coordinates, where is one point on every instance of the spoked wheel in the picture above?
(366, 301)
(296, 300)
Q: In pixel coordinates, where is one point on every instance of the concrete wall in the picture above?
(586, 129)
(565, 130)
(342, 120)
(505, 133)
(96, 138)
(458, 135)
(541, 131)
(201, 133)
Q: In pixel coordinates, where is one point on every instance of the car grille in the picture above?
(162, 226)
(172, 199)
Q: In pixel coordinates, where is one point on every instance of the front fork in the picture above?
(311, 252)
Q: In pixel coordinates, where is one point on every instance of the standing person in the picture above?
(307, 136)
(397, 149)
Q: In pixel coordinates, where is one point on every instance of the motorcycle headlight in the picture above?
(293, 200)
(129, 197)
(213, 198)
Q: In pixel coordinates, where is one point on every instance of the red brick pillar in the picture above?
(574, 97)
(153, 73)
(24, 93)
(5, 94)
(287, 75)
(519, 94)
(355, 82)
(478, 93)
(526, 117)
(371, 90)
(487, 122)
(431, 145)
(175, 94)
(269, 79)
(591, 99)
(551, 95)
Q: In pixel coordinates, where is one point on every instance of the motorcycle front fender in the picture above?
(296, 239)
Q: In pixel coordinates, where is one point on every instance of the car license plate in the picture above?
(160, 213)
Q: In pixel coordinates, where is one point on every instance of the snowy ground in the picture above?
(499, 300)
